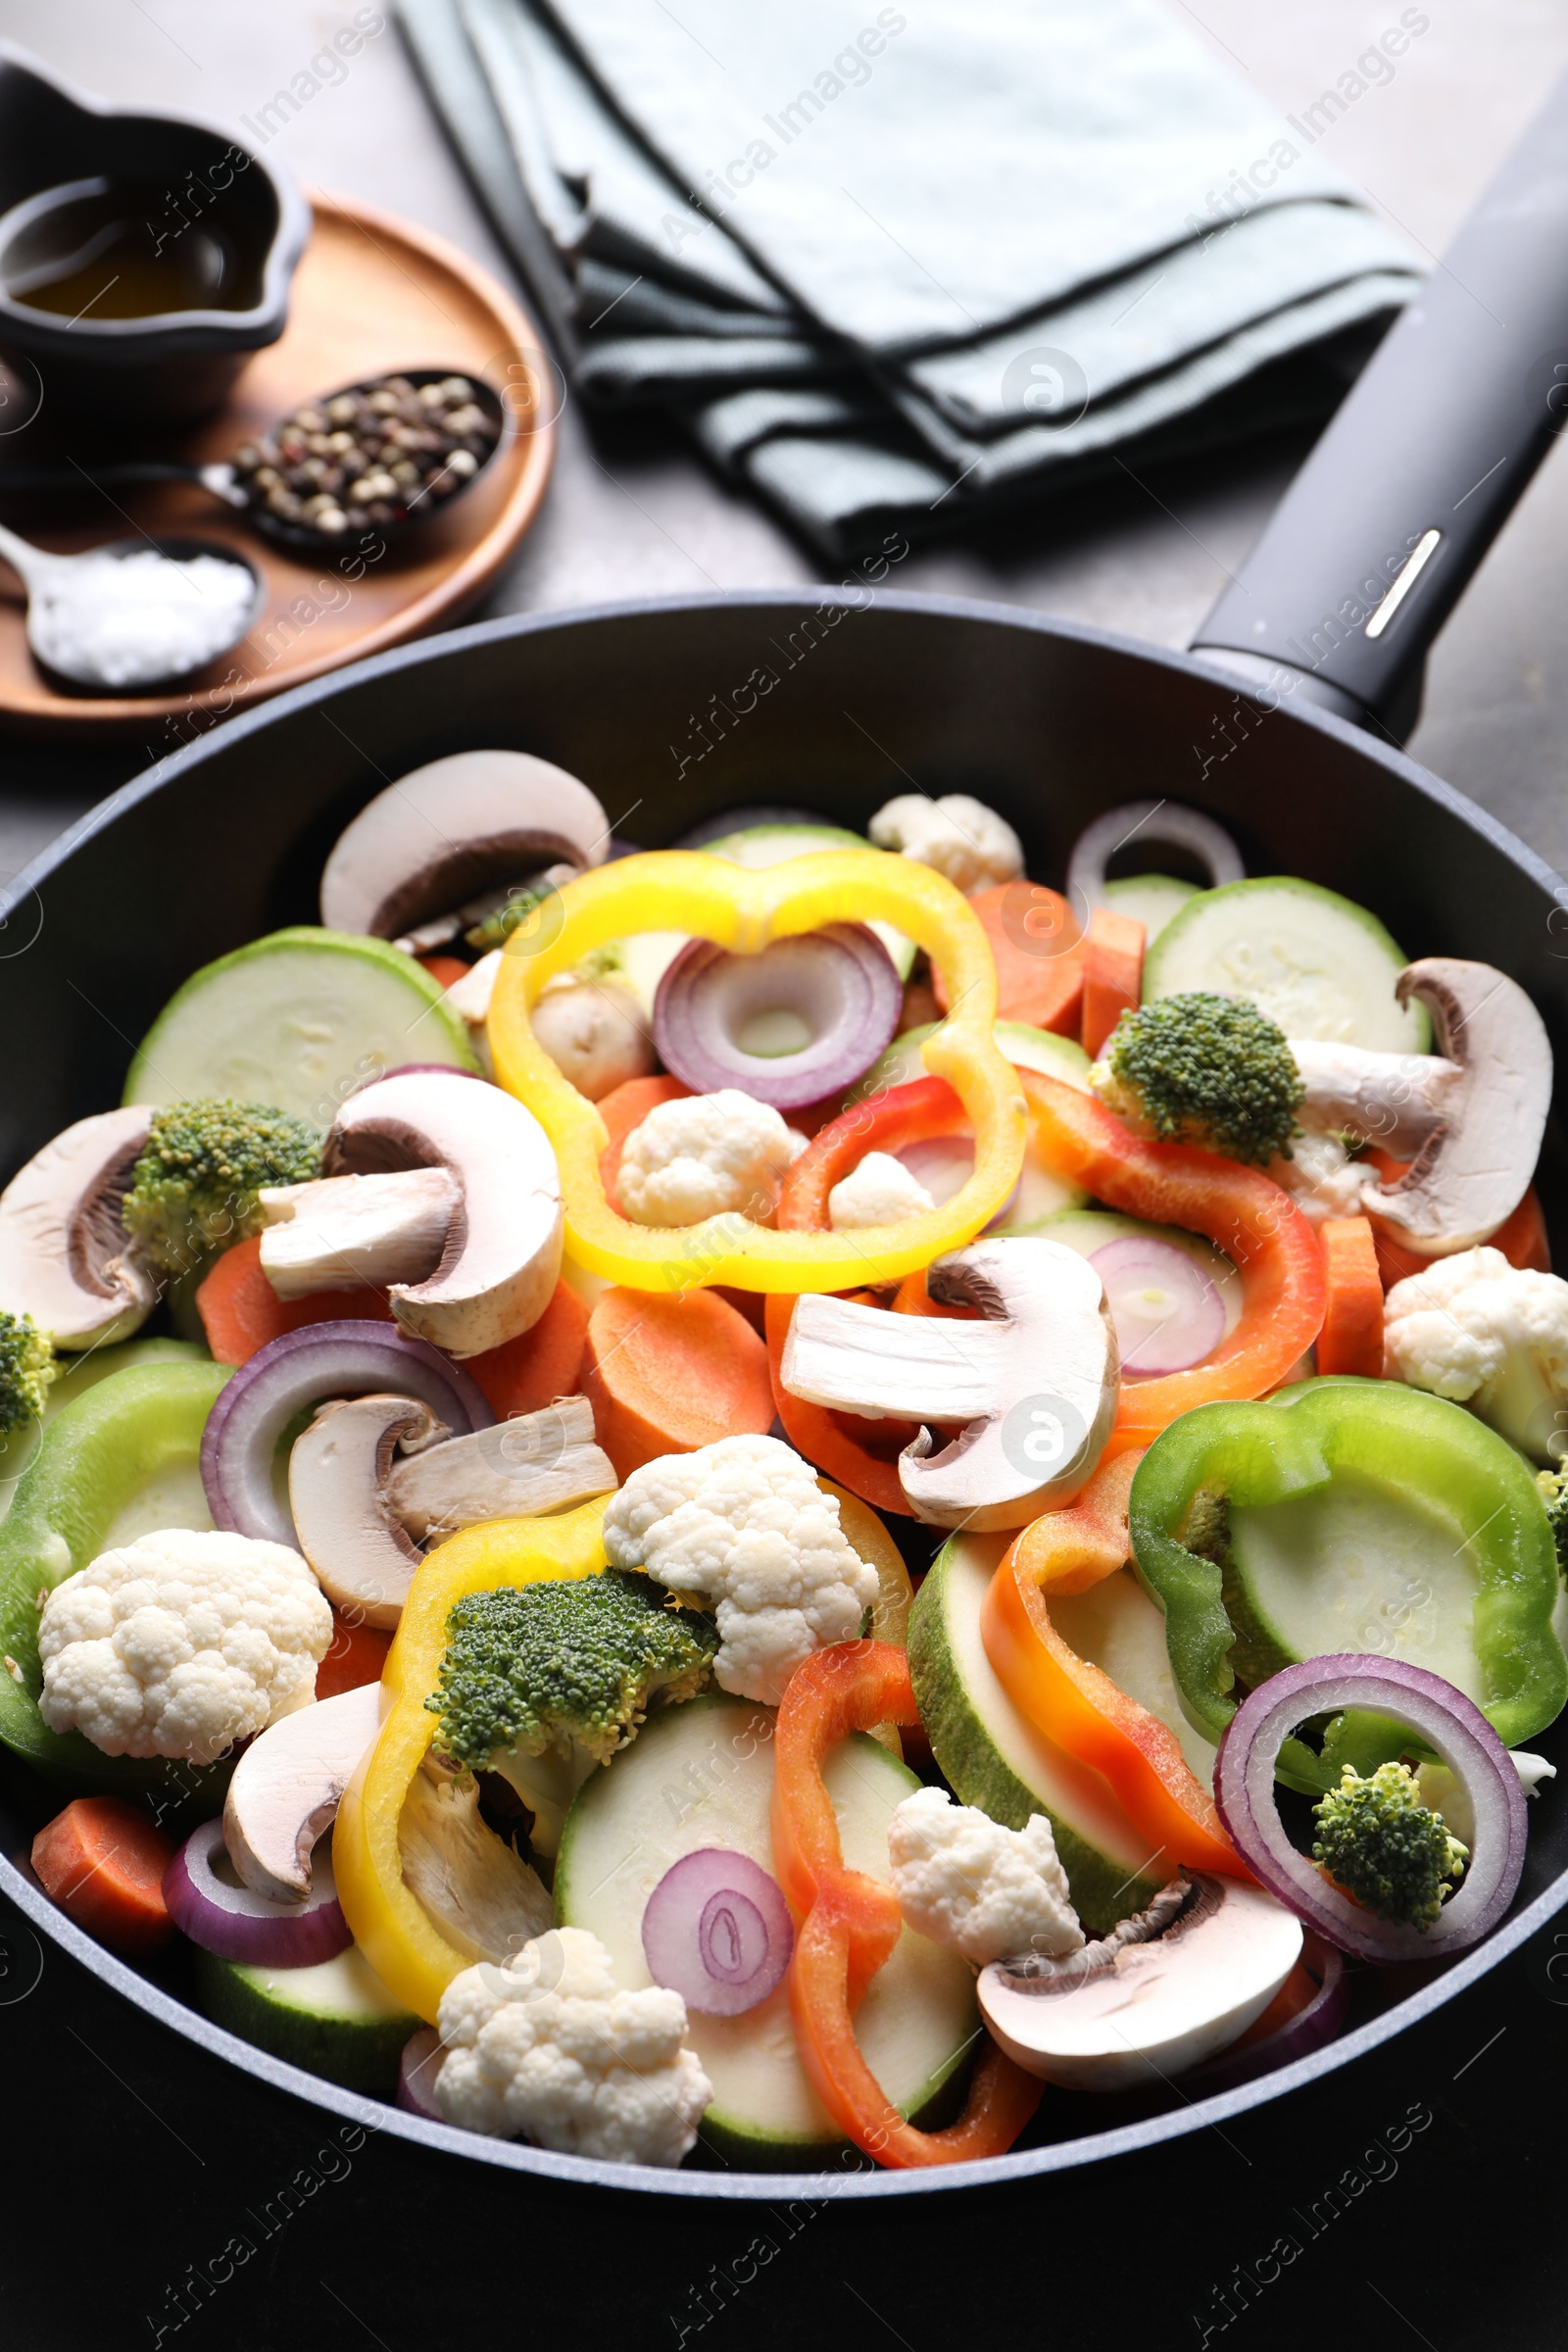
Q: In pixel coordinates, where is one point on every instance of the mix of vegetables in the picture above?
(480, 1625)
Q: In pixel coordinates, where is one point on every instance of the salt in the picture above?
(126, 620)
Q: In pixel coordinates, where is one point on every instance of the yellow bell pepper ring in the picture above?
(396, 1935)
(684, 890)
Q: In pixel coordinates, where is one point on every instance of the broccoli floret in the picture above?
(1553, 1485)
(542, 1681)
(195, 1185)
(1378, 1842)
(1203, 1070)
(27, 1368)
(496, 928)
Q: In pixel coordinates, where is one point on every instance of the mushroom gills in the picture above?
(287, 1785)
(338, 1232)
(498, 1271)
(1036, 1383)
(375, 1477)
(453, 831)
(66, 1258)
(1393, 1099)
(345, 1526)
(1472, 1170)
(1161, 1992)
(520, 1469)
(485, 1899)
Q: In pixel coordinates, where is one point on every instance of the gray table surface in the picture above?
(631, 511)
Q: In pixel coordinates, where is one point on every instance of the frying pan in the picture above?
(1284, 721)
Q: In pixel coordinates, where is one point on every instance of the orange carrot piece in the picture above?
(1113, 974)
(241, 1311)
(357, 1656)
(668, 1373)
(1352, 1337)
(103, 1862)
(626, 1107)
(525, 1374)
(445, 970)
(1039, 952)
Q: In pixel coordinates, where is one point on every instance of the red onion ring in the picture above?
(237, 1923)
(301, 1369)
(1447, 1722)
(417, 2074)
(718, 1930)
(839, 981)
(1167, 821)
(1308, 2030)
(1168, 1314)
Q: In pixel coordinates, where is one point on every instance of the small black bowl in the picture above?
(163, 367)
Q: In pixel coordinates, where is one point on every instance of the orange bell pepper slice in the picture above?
(849, 1924)
(1258, 1227)
(1075, 1703)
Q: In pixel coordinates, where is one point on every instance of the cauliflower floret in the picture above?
(705, 1156)
(989, 1893)
(1321, 1178)
(879, 1192)
(959, 837)
(181, 1644)
(1488, 1335)
(546, 2046)
(744, 1526)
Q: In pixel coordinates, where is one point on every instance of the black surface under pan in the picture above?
(834, 699)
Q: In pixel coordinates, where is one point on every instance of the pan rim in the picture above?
(1089, 2148)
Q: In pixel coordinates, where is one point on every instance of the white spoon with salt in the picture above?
(136, 616)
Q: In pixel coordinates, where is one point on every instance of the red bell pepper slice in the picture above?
(864, 1456)
(1075, 1703)
(1258, 1227)
(849, 1924)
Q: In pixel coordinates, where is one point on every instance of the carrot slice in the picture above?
(1352, 1337)
(241, 1311)
(667, 1374)
(103, 1863)
(356, 1656)
(445, 970)
(626, 1107)
(525, 1374)
(1113, 973)
(1039, 952)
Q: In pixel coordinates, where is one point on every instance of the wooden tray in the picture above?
(371, 295)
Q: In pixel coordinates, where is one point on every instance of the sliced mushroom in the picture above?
(339, 1232)
(1395, 1100)
(1036, 1383)
(287, 1785)
(343, 1522)
(66, 1258)
(1473, 1168)
(520, 1469)
(1159, 1994)
(449, 831)
(502, 1258)
(478, 1889)
(374, 1478)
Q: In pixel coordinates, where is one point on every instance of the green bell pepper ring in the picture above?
(1372, 1451)
(93, 1458)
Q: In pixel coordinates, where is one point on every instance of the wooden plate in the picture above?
(371, 295)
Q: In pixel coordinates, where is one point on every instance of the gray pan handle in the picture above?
(1419, 469)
